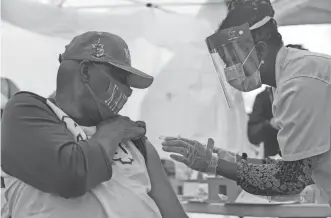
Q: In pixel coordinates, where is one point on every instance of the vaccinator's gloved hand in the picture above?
(192, 153)
(225, 155)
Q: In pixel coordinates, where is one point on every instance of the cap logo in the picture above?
(232, 33)
(97, 50)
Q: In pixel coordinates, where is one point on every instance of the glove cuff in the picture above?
(212, 166)
(226, 155)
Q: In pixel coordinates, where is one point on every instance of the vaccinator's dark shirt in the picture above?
(259, 129)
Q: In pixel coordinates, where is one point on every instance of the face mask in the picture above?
(238, 79)
(112, 101)
(110, 106)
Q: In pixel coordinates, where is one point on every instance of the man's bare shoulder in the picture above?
(151, 150)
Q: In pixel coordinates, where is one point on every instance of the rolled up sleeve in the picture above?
(277, 178)
(38, 150)
(302, 111)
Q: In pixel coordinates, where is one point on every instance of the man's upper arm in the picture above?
(303, 114)
(38, 149)
(162, 192)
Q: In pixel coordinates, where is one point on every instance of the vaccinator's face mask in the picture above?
(235, 59)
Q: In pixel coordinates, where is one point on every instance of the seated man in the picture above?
(55, 167)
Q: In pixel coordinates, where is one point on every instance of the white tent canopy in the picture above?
(58, 15)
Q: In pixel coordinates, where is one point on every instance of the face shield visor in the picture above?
(235, 59)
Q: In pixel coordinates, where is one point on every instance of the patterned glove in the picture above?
(225, 155)
(192, 153)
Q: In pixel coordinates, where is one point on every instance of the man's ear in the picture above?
(262, 50)
(84, 74)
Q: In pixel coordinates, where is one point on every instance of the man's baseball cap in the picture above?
(107, 48)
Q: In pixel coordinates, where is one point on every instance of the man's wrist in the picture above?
(109, 144)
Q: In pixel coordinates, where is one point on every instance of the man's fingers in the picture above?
(178, 150)
(122, 117)
(141, 124)
(175, 143)
(180, 158)
(141, 130)
(134, 132)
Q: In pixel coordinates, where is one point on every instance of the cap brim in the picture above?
(136, 79)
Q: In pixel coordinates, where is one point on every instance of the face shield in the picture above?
(235, 59)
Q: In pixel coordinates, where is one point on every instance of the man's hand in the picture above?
(192, 153)
(116, 130)
(122, 128)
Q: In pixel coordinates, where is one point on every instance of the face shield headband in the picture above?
(235, 59)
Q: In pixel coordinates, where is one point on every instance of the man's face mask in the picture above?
(235, 59)
(113, 100)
